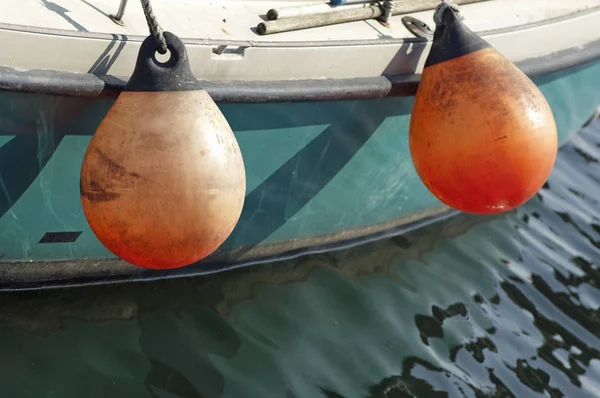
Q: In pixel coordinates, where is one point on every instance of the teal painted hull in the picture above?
(314, 169)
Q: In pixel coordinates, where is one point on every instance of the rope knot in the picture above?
(441, 8)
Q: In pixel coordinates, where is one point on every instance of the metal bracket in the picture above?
(118, 17)
(417, 27)
(386, 11)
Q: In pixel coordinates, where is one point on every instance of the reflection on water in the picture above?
(501, 306)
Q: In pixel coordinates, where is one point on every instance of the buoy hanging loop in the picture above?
(452, 38)
(174, 74)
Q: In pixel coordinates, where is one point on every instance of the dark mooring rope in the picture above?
(154, 27)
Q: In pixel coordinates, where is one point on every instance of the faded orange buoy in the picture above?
(482, 136)
(163, 180)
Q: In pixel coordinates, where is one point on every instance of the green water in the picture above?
(501, 306)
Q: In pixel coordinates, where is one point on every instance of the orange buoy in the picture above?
(163, 180)
(482, 136)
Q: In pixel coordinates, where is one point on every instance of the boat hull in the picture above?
(320, 175)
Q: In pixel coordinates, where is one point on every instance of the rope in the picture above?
(154, 27)
(440, 9)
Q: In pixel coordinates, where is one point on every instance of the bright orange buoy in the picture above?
(482, 136)
(163, 180)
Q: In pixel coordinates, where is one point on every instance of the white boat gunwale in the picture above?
(108, 86)
(114, 55)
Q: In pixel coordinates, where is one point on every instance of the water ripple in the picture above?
(504, 306)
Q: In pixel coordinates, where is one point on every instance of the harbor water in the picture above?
(495, 306)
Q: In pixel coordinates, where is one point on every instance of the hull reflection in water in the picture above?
(504, 306)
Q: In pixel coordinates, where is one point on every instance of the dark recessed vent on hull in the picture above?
(60, 237)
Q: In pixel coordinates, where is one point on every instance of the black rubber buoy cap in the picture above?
(453, 39)
(173, 75)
